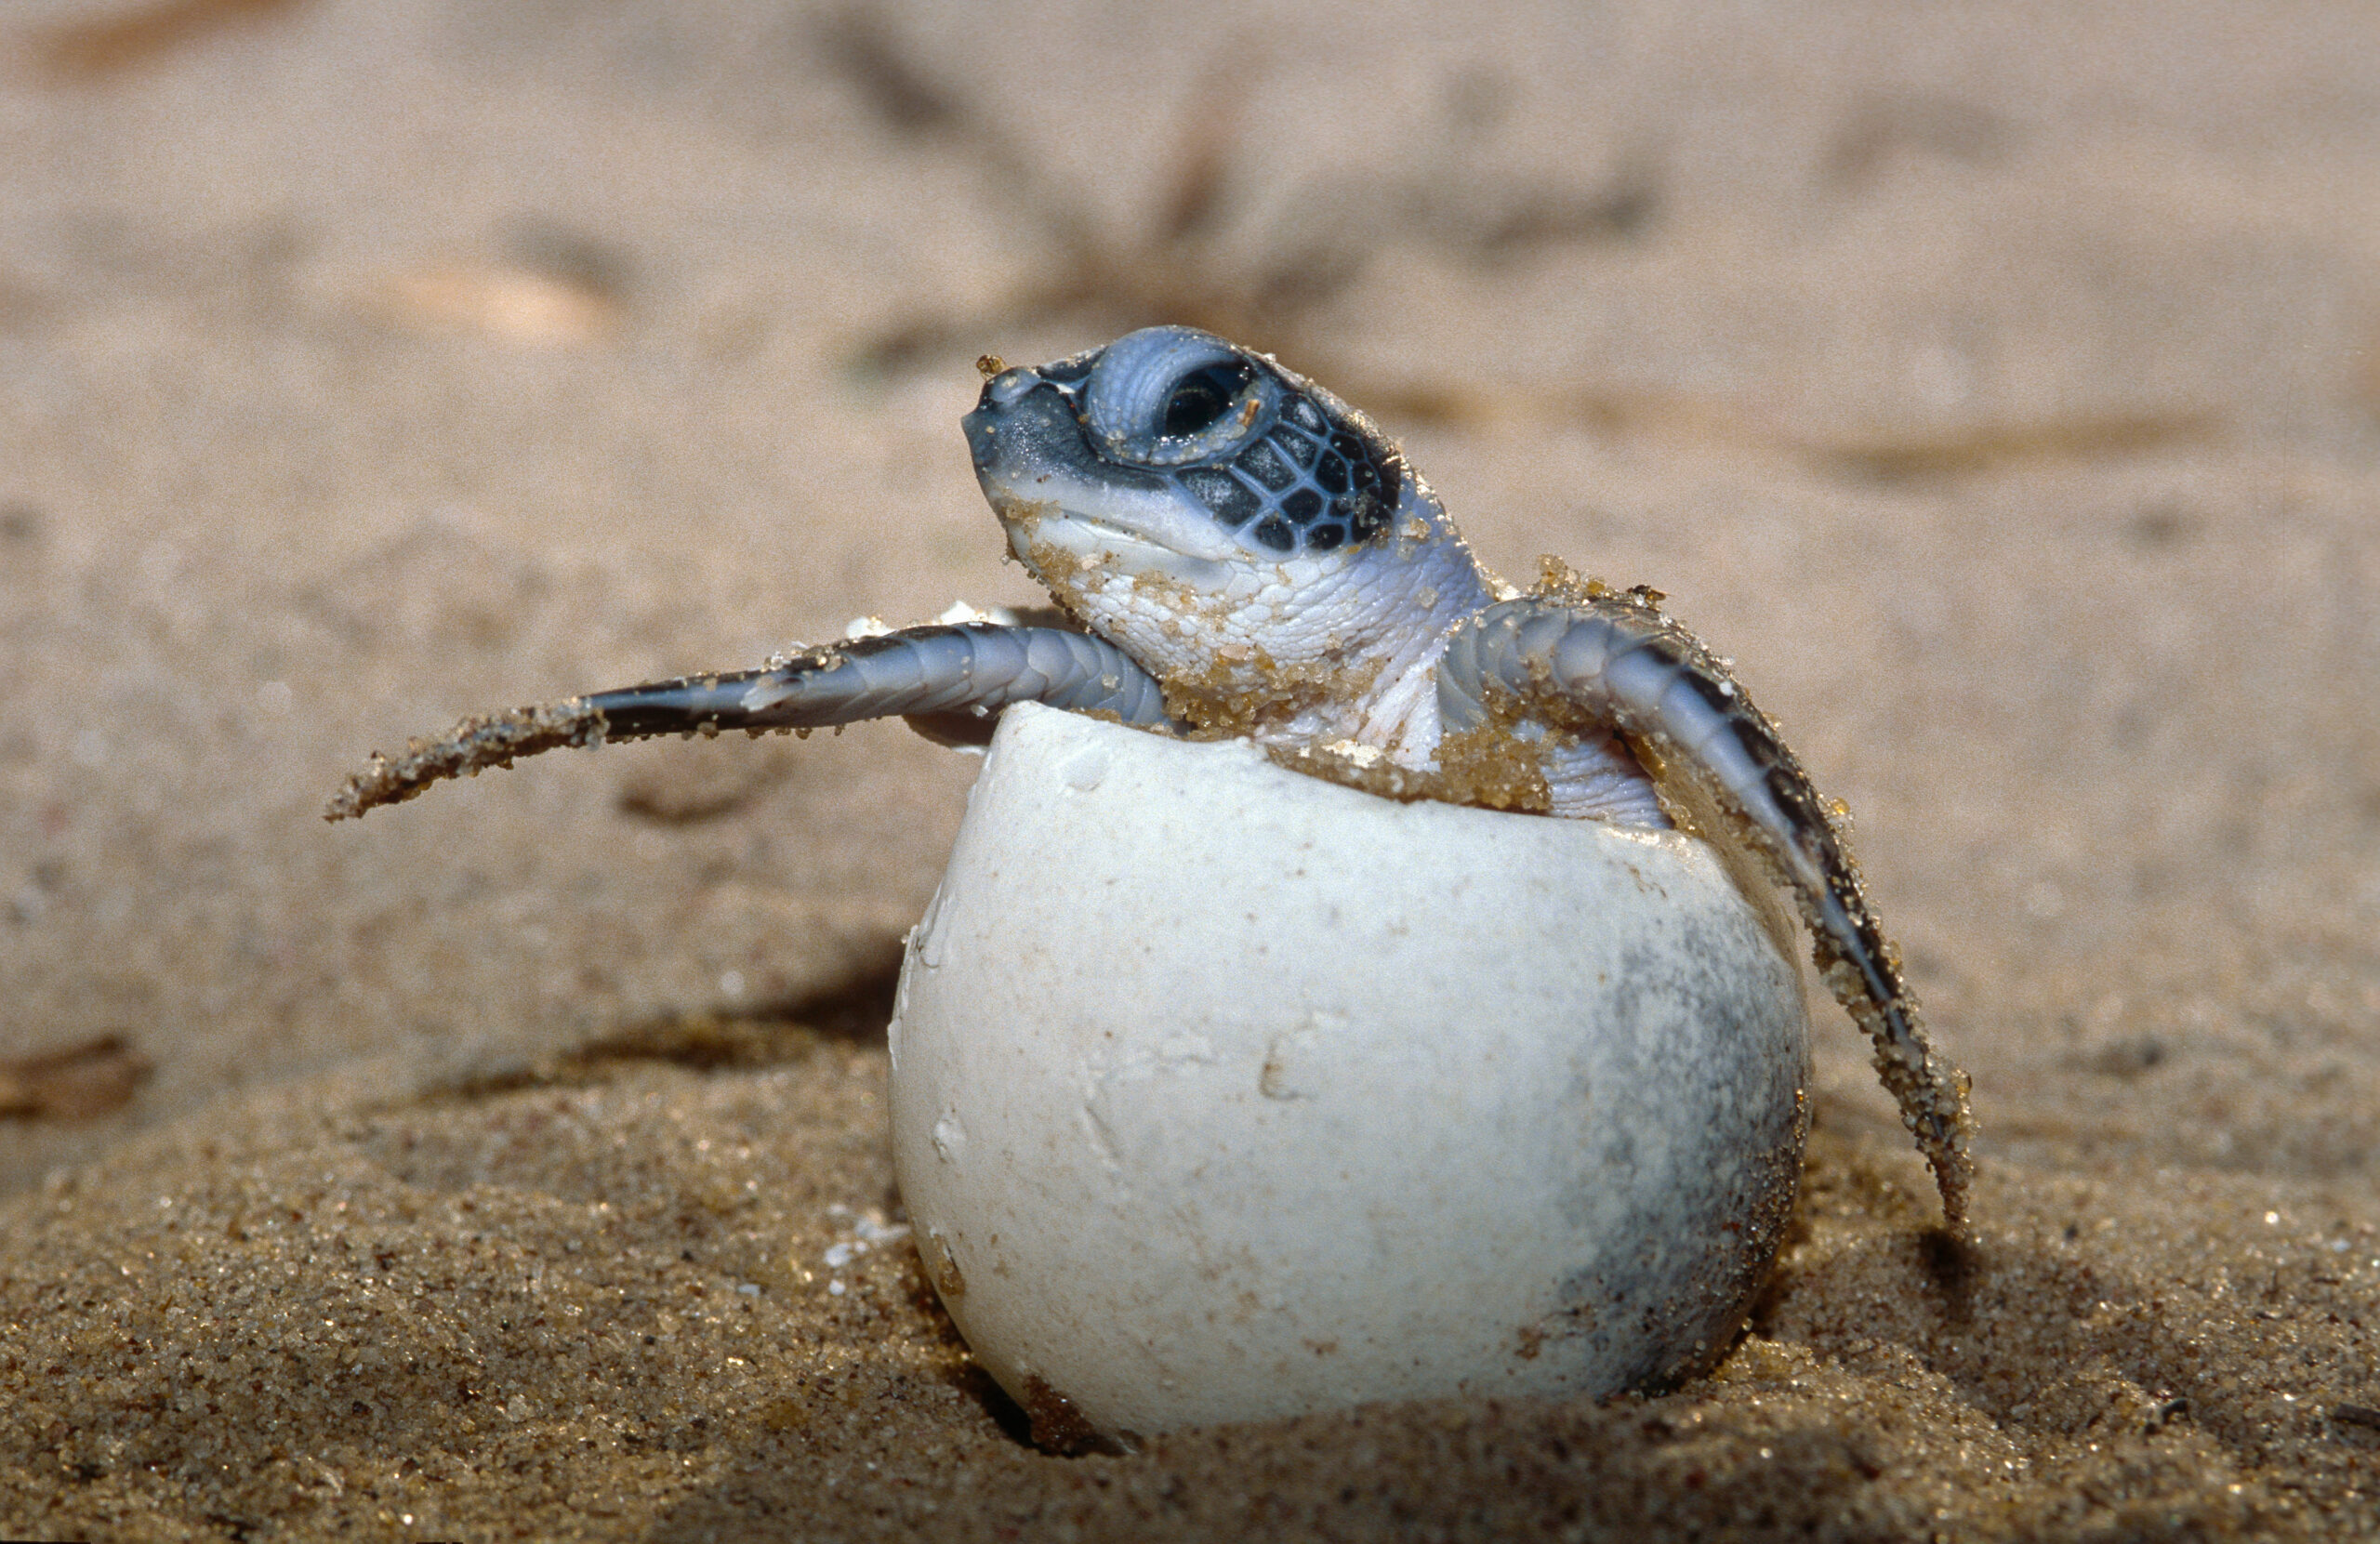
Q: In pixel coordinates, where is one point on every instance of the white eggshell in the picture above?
(1220, 1093)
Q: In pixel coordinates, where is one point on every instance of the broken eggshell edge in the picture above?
(1223, 1094)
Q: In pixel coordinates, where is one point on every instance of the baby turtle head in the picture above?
(1245, 454)
(1252, 540)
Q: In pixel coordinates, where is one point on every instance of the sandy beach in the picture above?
(1998, 386)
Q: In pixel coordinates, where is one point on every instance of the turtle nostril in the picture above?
(1003, 390)
(1018, 410)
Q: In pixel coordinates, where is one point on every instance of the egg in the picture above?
(1220, 1093)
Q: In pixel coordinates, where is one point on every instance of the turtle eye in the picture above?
(1174, 397)
(1203, 396)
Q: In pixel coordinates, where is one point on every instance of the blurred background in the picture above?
(1995, 384)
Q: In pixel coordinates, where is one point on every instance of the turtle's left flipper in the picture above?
(951, 679)
(1608, 660)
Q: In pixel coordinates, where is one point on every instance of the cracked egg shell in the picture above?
(1222, 1093)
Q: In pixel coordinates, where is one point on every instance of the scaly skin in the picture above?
(1244, 554)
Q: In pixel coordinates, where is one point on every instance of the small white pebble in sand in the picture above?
(835, 1288)
(747, 1288)
(877, 1230)
(839, 1255)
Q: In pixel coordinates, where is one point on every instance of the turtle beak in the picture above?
(1001, 393)
(1048, 485)
(981, 434)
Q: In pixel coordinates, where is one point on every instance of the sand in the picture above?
(1994, 384)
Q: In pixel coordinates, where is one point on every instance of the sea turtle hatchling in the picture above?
(1234, 551)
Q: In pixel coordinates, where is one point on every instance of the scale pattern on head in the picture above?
(1283, 466)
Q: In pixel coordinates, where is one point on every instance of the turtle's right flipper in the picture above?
(953, 679)
(1614, 661)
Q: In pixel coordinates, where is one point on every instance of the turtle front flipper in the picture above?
(950, 680)
(1603, 660)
